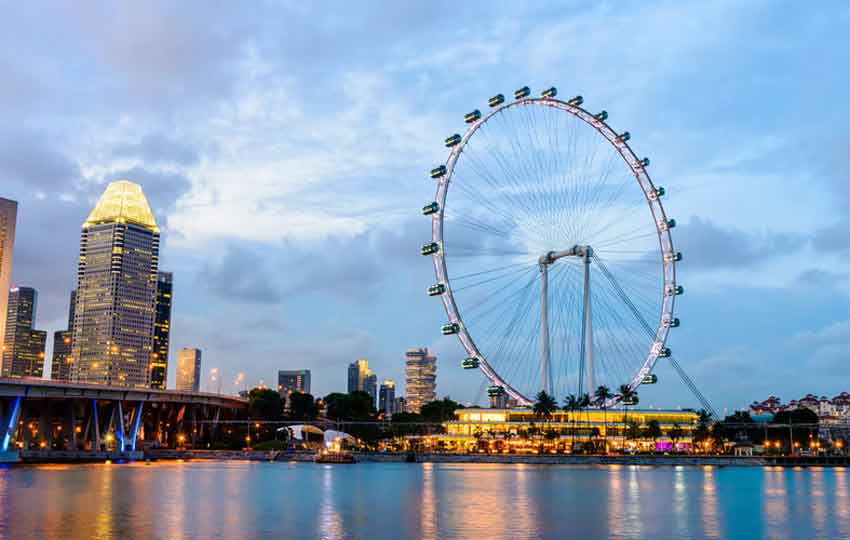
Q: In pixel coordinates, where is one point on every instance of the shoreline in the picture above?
(38, 457)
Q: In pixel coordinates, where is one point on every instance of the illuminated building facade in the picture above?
(358, 373)
(293, 380)
(161, 330)
(60, 368)
(8, 218)
(386, 398)
(189, 370)
(519, 430)
(23, 347)
(115, 309)
(420, 378)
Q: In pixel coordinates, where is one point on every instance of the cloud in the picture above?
(156, 148)
(242, 275)
(707, 246)
(33, 160)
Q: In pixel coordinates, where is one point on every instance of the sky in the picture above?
(285, 149)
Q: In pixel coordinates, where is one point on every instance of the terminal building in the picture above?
(519, 430)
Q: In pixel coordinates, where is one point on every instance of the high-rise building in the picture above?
(161, 330)
(189, 370)
(8, 218)
(116, 290)
(358, 372)
(400, 405)
(421, 378)
(386, 399)
(370, 386)
(23, 347)
(293, 380)
(60, 369)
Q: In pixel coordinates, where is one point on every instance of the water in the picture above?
(204, 500)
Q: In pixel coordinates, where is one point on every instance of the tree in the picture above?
(602, 395)
(702, 431)
(356, 406)
(544, 406)
(439, 411)
(676, 433)
(302, 406)
(265, 404)
(633, 430)
(571, 405)
(653, 430)
(799, 425)
(583, 403)
(626, 395)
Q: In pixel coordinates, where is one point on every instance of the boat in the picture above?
(329, 456)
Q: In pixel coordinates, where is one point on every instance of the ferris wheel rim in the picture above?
(651, 197)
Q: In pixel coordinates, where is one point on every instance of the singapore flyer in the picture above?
(552, 250)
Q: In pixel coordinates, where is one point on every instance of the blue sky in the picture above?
(285, 150)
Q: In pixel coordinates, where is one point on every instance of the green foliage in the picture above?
(354, 406)
(653, 429)
(265, 403)
(676, 433)
(544, 405)
(633, 430)
(439, 411)
(302, 406)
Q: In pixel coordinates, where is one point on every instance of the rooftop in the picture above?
(123, 202)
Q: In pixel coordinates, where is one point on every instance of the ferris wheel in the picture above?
(553, 256)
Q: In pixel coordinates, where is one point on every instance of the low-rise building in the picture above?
(519, 430)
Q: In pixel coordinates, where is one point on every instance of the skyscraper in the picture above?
(295, 380)
(358, 372)
(8, 217)
(189, 370)
(116, 290)
(23, 347)
(60, 369)
(386, 401)
(161, 330)
(370, 386)
(421, 378)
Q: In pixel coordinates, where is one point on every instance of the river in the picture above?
(243, 500)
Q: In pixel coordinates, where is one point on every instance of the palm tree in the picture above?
(602, 395)
(626, 395)
(571, 404)
(545, 405)
(584, 402)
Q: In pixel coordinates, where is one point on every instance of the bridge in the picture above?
(38, 414)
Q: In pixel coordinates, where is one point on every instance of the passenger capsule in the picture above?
(624, 136)
(601, 116)
(576, 101)
(664, 353)
(436, 290)
(522, 92)
(470, 363)
(674, 291)
(672, 323)
(454, 140)
(438, 172)
(549, 92)
(430, 249)
(666, 225)
(644, 162)
(431, 208)
(650, 379)
(673, 257)
(472, 117)
(657, 193)
(495, 390)
(496, 100)
(450, 328)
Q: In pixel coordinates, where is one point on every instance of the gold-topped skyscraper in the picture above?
(116, 290)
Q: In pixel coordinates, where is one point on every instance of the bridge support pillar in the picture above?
(11, 424)
(137, 418)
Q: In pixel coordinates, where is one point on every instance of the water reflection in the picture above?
(431, 501)
(710, 525)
